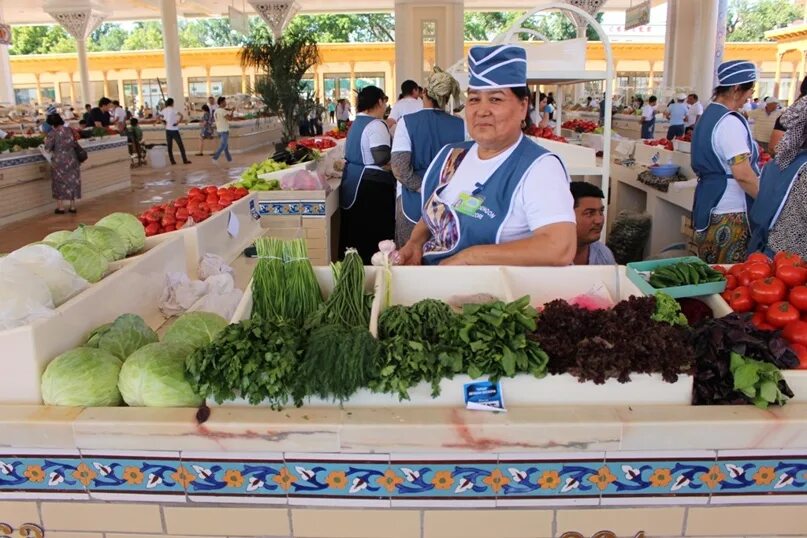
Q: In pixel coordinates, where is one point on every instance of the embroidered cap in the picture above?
(50, 110)
(736, 72)
(499, 66)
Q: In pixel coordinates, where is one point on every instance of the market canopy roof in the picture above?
(33, 11)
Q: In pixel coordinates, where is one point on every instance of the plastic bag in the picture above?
(332, 163)
(303, 180)
(180, 293)
(213, 264)
(223, 283)
(596, 298)
(48, 264)
(223, 304)
(24, 296)
(629, 236)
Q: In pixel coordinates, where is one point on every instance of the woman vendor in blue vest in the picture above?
(418, 139)
(499, 199)
(724, 156)
(779, 214)
(368, 188)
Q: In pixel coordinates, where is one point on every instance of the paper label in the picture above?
(484, 396)
(233, 226)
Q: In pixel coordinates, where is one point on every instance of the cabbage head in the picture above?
(96, 334)
(129, 228)
(82, 377)
(124, 336)
(58, 237)
(107, 241)
(194, 330)
(88, 262)
(154, 376)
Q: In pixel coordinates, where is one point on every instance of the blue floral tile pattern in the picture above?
(116, 474)
(296, 207)
(659, 478)
(551, 479)
(52, 474)
(340, 479)
(775, 476)
(445, 480)
(234, 478)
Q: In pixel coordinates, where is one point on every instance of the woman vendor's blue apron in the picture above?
(712, 176)
(429, 131)
(354, 166)
(774, 186)
(479, 218)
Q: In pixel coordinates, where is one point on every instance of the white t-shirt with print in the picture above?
(648, 112)
(405, 106)
(374, 135)
(729, 140)
(171, 118)
(693, 112)
(542, 198)
(222, 123)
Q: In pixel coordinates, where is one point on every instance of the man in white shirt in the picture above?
(211, 104)
(695, 110)
(118, 116)
(172, 119)
(222, 116)
(649, 118)
(764, 121)
(409, 102)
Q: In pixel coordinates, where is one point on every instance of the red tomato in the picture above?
(745, 278)
(798, 297)
(195, 191)
(170, 210)
(726, 295)
(181, 201)
(801, 352)
(731, 282)
(792, 275)
(758, 257)
(170, 228)
(761, 308)
(154, 215)
(168, 220)
(222, 191)
(720, 269)
(225, 202)
(212, 199)
(182, 214)
(737, 269)
(786, 258)
(210, 189)
(740, 300)
(242, 191)
(203, 207)
(759, 322)
(796, 332)
(757, 270)
(781, 313)
(152, 229)
(181, 223)
(768, 290)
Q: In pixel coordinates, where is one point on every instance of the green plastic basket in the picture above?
(697, 290)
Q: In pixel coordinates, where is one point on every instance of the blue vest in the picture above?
(429, 130)
(773, 188)
(354, 166)
(497, 192)
(712, 176)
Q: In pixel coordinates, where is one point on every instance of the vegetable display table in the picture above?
(245, 135)
(25, 187)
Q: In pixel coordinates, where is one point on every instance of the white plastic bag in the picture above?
(223, 304)
(222, 283)
(303, 180)
(180, 293)
(48, 264)
(24, 296)
(213, 264)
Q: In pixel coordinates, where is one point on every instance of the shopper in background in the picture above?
(118, 116)
(46, 127)
(86, 115)
(764, 120)
(499, 199)
(211, 104)
(779, 129)
(342, 114)
(172, 118)
(409, 103)
(70, 114)
(590, 214)
(99, 116)
(778, 217)
(367, 193)
(677, 113)
(649, 118)
(419, 137)
(694, 112)
(222, 116)
(550, 106)
(724, 156)
(65, 166)
(205, 128)
(332, 110)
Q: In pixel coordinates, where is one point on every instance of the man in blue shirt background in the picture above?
(590, 215)
(677, 113)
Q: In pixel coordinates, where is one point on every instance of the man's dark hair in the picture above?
(87, 107)
(694, 96)
(103, 102)
(581, 189)
(409, 87)
(116, 103)
(134, 122)
(652, 99)
(221, 100)
(82, 123)
(54, 120)
(169, 101)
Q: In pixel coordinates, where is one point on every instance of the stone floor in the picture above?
(149, 186)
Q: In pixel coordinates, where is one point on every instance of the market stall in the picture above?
(245, 134)
(25, 177)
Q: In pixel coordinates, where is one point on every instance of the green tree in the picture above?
(748, 20)
(107, 37)
(144, 36)
(41, 40)
(485, 25)
(338, 28)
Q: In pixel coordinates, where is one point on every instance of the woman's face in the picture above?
(494, 117)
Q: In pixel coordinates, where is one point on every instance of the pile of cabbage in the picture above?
(39, 277)
(124, 362)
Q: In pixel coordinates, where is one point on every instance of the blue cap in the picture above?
(51, 110)
(499, 66)
(736, 72)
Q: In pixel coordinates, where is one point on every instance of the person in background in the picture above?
(590, 213)
(538, 115)
(725, 159)
(134, 131)
(46, 127)
(755, 103)
(342, 114)
(419, 137)
(99, 116)
(778, 219)
(602, 110)
(649, 118)
(332, 110)
(172, 118)
(367, 193)
(500, 198)
(694, 112)
(65, 167)
(748, 106)
(70, 114)
(588, 102)
(676, 113)
(764, 120)
(409, 103)
(86, 115)
(779, 129)
(211, 104)
(222, 117)
(550, 106)
(118, 116)
(205, 128)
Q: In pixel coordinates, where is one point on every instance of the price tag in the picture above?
(253, 210)
(233, 226)
(484, 396)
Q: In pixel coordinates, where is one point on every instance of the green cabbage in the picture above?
(125, 335)
(83, 377)
(58, 237)
(96, 334)
(194, 330)
(88, 262)
(107, 241)
(154, 376)
(129, 228)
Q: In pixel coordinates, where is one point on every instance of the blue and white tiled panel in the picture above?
(382, 480)
(295, 207)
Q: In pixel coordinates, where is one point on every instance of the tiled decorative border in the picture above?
(594, 478)
(292, 207)
(36, 157)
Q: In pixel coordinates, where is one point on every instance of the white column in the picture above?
(6, 82)
(84, 72)
(79, 22)
(669, 44)
(173, 66)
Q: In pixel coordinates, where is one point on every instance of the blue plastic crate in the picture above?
(698, 290)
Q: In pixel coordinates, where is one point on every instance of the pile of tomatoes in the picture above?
(661, 142)
(319, 144)
(196, 206)
(775, 291)
(544, 132)
(686, 138)
(580, 126)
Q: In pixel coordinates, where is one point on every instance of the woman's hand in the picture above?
(460, 258)
(410, 254)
